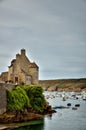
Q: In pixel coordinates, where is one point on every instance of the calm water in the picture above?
(64, 119)
(67, 119)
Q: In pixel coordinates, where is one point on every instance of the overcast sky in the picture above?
(53, 32)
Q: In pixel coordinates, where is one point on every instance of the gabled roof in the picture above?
(33, 65)
(4, 73)
(12, 62)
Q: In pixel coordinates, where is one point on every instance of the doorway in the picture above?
(16, 79)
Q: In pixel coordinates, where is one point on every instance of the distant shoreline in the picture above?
(78, 84)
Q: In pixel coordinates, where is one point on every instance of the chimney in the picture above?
(17, 56)
(23, 52)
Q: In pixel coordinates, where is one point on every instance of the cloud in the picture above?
(52, 32)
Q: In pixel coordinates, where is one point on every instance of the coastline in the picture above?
(20, 124)
(8, 120)
(68, 85)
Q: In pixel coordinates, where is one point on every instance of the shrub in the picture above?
(35, 94)
(17, 99)
(24, 96)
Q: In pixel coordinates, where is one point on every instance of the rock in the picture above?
(11, 118)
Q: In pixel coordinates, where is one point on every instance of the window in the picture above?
(28, 79)
(16, 79)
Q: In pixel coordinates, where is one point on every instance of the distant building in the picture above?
(21, 70)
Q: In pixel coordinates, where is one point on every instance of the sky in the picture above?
(53, 32)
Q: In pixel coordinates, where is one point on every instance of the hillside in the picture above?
(64, 84)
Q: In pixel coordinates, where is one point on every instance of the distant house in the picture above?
(21, 70)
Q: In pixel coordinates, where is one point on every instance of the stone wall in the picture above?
(3, 97)
(4, 76)
(3, 100)
(34, 73)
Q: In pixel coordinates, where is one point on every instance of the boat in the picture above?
(84, 99)
(68, 104)
(74, 108)
(77, 105)
(57, 107)
(60, 107)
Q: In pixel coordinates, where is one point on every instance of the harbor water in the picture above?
(65, 118)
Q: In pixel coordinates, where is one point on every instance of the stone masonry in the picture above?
(2, 98)
(21, 70)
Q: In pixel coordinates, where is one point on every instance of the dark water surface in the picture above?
(63, 119)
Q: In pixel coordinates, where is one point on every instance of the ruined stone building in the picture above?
(21, 70)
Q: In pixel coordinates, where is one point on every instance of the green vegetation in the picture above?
(17, 99)
(35, 94)
(25, 96)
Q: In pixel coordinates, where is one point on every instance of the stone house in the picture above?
(21, 70)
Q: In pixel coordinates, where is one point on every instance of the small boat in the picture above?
(57, 107)
(68, 104)
(74, 108)
(84, 99)
(77, 105)
(63, 97)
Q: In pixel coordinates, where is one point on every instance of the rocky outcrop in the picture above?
(26, 115)
(48, 109)
(13, 118)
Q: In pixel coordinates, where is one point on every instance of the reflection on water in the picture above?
(49, 116)
(31, 127)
